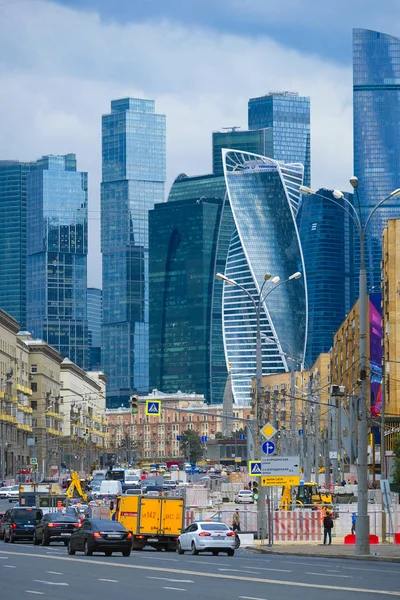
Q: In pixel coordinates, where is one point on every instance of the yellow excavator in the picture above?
(304, 495)
(74, 489)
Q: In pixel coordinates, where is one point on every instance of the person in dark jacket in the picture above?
(328, 524)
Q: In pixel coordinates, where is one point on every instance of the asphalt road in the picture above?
(26, 570)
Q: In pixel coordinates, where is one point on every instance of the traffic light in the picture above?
(134, 404)
(255, 490)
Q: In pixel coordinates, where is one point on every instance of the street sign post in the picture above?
(33, 461)
(254, 467)
(276, 480)
(268, 431)
(281, 466)
(153, 408)
(178, 438)
(268, 447)
(204, 439)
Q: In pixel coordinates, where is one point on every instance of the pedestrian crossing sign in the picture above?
(254, 467)
(153, 408)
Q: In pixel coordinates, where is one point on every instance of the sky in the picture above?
(62, 62)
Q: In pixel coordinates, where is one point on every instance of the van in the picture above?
(110, 488)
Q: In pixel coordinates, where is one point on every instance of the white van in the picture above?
(110, 488)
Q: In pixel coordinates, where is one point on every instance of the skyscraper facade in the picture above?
(57, 234)
(264, 197)
(13, 214)
(288, 116)
(327, 244)
(257, 141)
(94, 317)
(134, 169)
(376, 107)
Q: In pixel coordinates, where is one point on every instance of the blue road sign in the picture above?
(242, 436)
(153, 408)
(178, 438)
(268, 447)
(300, 432)
(254, 467)
(204, 438)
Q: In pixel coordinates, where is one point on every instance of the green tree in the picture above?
(191, 445)
(396, 467)
(219, 435)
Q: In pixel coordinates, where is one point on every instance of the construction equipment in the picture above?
(155, 522)
(75, 489)
(305, 495)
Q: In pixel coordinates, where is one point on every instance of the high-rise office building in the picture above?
(134, 168)
(94, 318)
(13, 212)
(57, 233)
(183, 241)
(264, 198)
(257, 141)
(288, 116)
(376, 107)
(327, 245)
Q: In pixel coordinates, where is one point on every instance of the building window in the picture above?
(34, 369)
(34, 387)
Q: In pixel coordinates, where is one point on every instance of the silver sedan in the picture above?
(207, 536)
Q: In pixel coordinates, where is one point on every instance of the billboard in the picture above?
(375, 352)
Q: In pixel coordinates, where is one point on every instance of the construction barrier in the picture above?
(190, 516)
(299, 526)
(350, 539)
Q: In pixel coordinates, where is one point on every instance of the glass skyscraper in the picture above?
(57, 230)
(264, 197)
(288, 116)
(327, 245)
(257, 141)
(134, 169)
(94, 317)
(376, 105)
(13, 212)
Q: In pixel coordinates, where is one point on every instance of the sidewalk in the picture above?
(379, 552)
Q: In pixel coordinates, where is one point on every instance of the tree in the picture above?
(191, 445)
(396, 467)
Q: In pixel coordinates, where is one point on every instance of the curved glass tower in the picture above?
(376, 99)
(264, 197)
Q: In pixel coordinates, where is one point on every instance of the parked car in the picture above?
(19, 524)
(100, 535)
(13, 493)
(55, 527)
(4, 492)
(244, 496)
(206, 536)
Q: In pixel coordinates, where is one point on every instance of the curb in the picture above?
(391, 559)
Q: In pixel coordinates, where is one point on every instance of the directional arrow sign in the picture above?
(268, 447)
(280, 466)
(153, 408)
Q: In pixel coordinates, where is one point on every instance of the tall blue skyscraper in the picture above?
(134, 169)
(94, 317)
(13, 212)
(57, 255)
(264, 198)
(327, 245)
(288, 116)
(376, 104)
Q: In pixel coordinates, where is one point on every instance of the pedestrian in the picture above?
(353, 523)
(328, 524)
(236, 521)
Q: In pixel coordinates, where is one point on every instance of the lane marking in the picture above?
(33, 592)
(251, 598)
(50, 582)
(3, 557)
(382, 571)
(9, 567)
(160, 558)
(173, 588)
(54, 573)
(328, 575)
(214, 564)
(300, 584)
(172, 580)
(109, 580)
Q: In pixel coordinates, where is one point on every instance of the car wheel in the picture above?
(215, 552)
(44, 541)
(231, 553)
(71, 551)
(126, 553)
(194, 549)
(180, 551)
(108, 553)
(35, 540)
(88, 551)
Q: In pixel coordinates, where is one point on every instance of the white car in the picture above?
(207, 536)
(4, 492)
(13, 493)
(244, 497)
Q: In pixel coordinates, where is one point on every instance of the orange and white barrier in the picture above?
(299, 526)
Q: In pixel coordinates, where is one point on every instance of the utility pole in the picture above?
(293, 432)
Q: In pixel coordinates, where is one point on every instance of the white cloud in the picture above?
(60, 68)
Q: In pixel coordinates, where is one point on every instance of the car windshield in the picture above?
(245, 492)
(25, 515)
(214, 526)
(105, 525)
(56, 517)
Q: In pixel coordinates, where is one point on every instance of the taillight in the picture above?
(231, 533)
(13, 526)
(204, 533)
(129, 536)
(96, 534)
(76, 524)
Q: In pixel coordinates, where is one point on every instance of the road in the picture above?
(27, 570)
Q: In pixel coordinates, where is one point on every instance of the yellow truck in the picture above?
(155, 522)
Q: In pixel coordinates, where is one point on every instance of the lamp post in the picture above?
(261, 529)
(355, 214)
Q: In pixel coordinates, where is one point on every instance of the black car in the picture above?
(19, 524)
(55, 527)
(101, 535)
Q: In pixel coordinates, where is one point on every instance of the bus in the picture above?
(115, 475)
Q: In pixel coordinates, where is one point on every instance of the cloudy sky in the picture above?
(61, 62)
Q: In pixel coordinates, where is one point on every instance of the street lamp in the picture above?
(276, 281)
(355, 214)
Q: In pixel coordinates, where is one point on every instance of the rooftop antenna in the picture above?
(232, 129)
